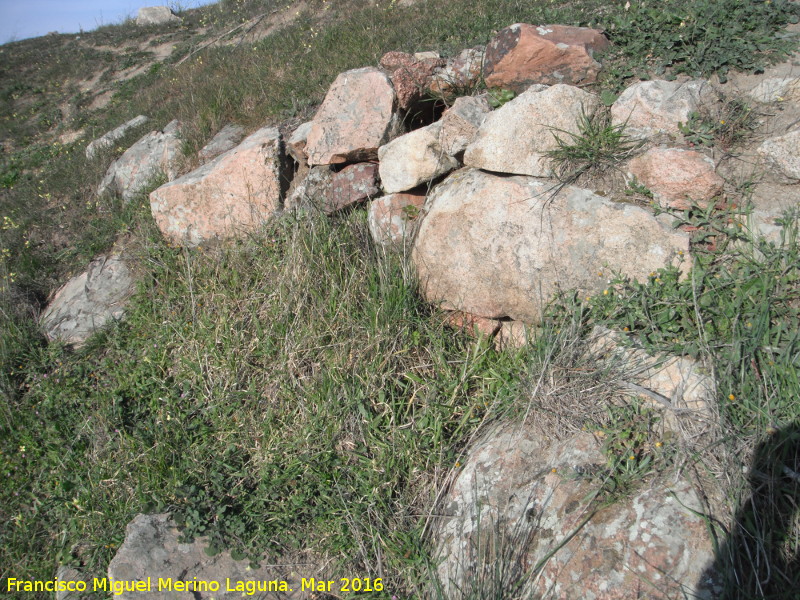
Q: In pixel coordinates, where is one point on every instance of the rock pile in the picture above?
(493, 237)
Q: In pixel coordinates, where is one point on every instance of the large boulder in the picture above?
(107, 140)
(656, 107)
(677, 178)
(522, 54)
(516, 137)
(228, 197)
(525, 507)
(358, 116)
(500, 246)
(414, 158)
(88, 301)
(156, 15)
(156, 153)
(153, 556)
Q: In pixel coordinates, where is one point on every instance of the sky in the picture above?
(20, 19)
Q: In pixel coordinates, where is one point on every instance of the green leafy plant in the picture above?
(498, 97)
(725, 125)
(702, 37)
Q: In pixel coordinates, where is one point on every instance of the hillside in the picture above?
(303, 394)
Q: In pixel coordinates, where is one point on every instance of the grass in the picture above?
(599, 146)
(292, 391)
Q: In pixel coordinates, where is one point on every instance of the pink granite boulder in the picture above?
(358, 116)
(523, 54)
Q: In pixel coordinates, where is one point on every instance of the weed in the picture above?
(701, 38)
(598, 146)
(726, 125)
(499, 97)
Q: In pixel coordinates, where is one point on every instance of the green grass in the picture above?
(292, 389)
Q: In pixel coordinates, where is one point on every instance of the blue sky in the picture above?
(20, 19)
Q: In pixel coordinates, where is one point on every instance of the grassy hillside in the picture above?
(291, 392)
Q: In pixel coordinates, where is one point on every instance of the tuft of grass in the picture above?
(598, 146)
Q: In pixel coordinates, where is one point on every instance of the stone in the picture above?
(516, 137)
(71, 577)
(230, 196)
(777, 89)
(677, 177)
(512, 335)
(107, 140)
(353, 184)
(413, 159)
(498, 246)
(682, 385)
(88, 301)
(392, 218)
(156, 153)
(156, 15)
(296, 145)
(427, 55)
(358, 116)
(460, 75)
(312, 191)
(410, 76)
(226, 139)
(472, 325)
(522, 54)
(152, 550)
(648, 108)
(460, 123)
(523, 499)
(783, 152)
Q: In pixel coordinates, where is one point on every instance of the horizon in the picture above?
(36, 18)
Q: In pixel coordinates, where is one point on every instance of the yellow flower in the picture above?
(731, 397)
(659, 444)
(605, 292)
(553, 470)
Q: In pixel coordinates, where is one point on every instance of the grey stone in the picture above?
(156, 15)
(158, 152)
(151, 552)
(107, 140)
(783, 152)
(70, 577)
(656, 107)
(88, 301)
(312, 191)
(460, 123)
(227, 138)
